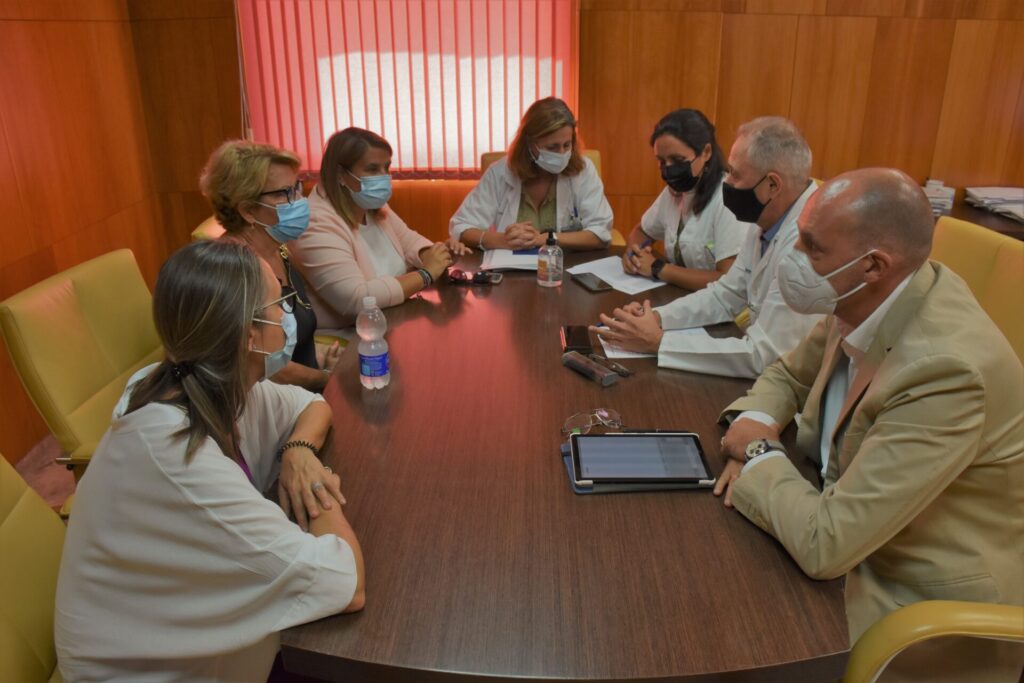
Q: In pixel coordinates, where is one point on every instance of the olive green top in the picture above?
(544, 217)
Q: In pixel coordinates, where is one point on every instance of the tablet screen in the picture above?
(632, 457)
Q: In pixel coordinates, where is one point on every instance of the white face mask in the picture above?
(807, 292)
(552, 162)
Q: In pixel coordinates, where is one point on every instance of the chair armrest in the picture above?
(80, 456)
(926, 620)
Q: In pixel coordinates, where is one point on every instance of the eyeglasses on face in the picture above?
(284, 302)
(287, 194)
(581, 423)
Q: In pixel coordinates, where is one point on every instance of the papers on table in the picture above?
(610, 270)
(939, 196)
(613, 351)
(1006, 201)
(506, 259)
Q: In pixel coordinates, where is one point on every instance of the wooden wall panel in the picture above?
(1013, 171)
(188, 72)
(676, 54)
(980, 103)
(107, 112)
(756, 75)
(908, 79)
(830, 88)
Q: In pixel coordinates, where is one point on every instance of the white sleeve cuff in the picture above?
(763, 456)
(757, 416)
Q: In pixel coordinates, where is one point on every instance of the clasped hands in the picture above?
(523, 236)
(633, 327)
(306, 486)
(734, 447)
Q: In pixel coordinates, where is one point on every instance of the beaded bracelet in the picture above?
(427, 277)
(298, 443)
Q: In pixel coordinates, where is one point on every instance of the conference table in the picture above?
(481, 562)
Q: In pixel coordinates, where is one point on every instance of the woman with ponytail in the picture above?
(176, 566)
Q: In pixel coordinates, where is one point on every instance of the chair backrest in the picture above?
(993, 267)
(210, 229)
(75, 339)
(31, 538)
(488, 158)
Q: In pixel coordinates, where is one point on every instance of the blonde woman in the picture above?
(175, 566)
(356, 245)
(257, 197)
(542, 185)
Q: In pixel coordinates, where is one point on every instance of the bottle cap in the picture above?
(369, 302)
(551, 238)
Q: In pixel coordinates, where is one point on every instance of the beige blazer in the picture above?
(337, 267)
(924, 499)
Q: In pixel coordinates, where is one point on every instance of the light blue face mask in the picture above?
(292, 220)
(275, 361)
(374, 193)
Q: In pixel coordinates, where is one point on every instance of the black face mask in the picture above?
(679, 176)
(743, 203)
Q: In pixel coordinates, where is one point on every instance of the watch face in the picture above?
(755, 448)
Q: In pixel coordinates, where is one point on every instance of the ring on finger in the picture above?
(328, 468)
(316, 486)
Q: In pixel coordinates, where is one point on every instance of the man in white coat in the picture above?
(768, 184)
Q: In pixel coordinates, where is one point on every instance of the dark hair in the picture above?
(344, 149)
(206, 296)
(693, 128)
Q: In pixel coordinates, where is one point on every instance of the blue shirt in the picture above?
(769, 235)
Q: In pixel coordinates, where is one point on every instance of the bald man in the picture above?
(910, 401)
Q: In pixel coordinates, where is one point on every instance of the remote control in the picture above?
(589, 369)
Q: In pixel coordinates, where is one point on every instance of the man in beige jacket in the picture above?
(910, 402)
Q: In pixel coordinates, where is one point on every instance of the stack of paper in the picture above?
(1006, 201)
(506, 259)
(610, 270)
(939, 196)
(611, 350)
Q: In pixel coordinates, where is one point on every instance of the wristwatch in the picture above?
(656, 267)
(761, 446)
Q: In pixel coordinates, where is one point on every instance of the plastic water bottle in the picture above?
(374, 368)
(549, 263)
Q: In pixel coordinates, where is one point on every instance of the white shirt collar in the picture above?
(856, 342)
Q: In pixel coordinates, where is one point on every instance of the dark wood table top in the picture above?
(480, 560)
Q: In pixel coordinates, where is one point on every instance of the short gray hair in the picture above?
(776, 144)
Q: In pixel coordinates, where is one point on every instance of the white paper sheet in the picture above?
(505, 259)
(613, 351)
(609, 269)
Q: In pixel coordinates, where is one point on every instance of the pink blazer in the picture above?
(337, 266)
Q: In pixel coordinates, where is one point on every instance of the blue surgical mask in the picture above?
(292, 220)
(375, 192)
(275, 361)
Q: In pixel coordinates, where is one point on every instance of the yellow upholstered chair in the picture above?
(31, 538)
(993, 267)
(75, 339)
(210, 229)
(926, 620)
(488, 158)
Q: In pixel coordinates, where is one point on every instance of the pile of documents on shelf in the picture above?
(1005, 201)
(940, 197)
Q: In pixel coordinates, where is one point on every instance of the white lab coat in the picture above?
(705, 239)
(774, 328)
(494, 202)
